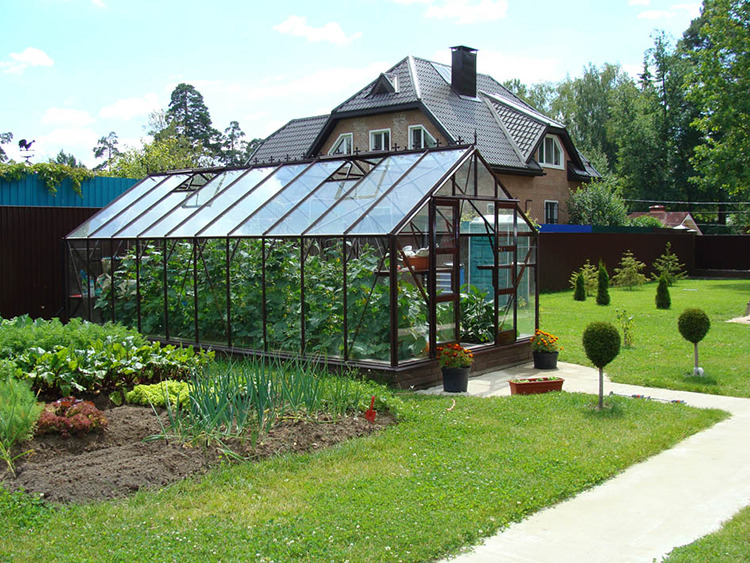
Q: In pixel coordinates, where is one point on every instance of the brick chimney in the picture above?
(464, 71)
(657, 211)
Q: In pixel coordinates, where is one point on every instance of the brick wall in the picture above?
(397, 122)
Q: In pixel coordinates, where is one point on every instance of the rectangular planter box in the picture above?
(535, 385)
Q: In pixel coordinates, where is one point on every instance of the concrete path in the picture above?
(643, 513)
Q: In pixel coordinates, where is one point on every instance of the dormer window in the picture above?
(380, 140)
(420, 138)
(343, 144)
(551, 153)
(387, 83)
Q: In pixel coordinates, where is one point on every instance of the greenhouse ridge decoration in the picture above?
(309, 258)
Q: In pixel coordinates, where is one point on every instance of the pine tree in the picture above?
(629, 272)
(668, 264)
(663, 300)
(602, 294)
(580, 292)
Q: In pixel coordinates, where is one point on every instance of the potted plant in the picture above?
(455, 363)
(545, 349)
(535, 385)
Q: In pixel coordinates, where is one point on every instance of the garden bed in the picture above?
(117, 461)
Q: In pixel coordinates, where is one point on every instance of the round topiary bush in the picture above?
(601, 341)
(663, 299)
(602, 293)
(693, 325)
(580, 292)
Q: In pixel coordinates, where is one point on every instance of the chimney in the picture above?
(657, 211)
(464, 71)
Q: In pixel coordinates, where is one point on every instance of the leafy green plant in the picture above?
(602, 293)
(627, 324)
(669, 266)
(157, 394)
(70, 416)
(589, 272)
(601, 341)
(663, 299)
(580, 288)
(629, 273)
(19, 412)
(51, 173)
(477, 315)
(693, 325)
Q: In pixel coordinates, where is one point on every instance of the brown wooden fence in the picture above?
(722, 252)
(31, 258)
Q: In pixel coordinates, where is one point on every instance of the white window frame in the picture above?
(424, 132)
(555, 140)
(335, 146)
(372, 139)
(557, 209)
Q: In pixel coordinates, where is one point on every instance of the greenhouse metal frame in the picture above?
(294, 258)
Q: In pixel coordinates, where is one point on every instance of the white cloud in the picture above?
(76, 141)
(67, 116)
(466, 12)
(128, 108)
(99, 3)
(331, 32)
(639, 2)
(655, 15)
(30, 56)
(693, 10)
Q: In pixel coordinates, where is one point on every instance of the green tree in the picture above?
(601, 342)
(232, 146)
(580, 291)
(629, 273)
(720, 82)
(159, 156)
(668, 266)
(539, 96)
(597, 203)
(663, 299)
(66, 159)
(5, 138)
(191, 119)
(107, 146)
(602, 293)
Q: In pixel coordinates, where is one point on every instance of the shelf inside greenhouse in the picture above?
(370, 260)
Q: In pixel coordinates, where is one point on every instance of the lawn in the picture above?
(439, 480)
(660, 356)
(730, 544)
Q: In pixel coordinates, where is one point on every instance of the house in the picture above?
(670, 219)
(419, 104)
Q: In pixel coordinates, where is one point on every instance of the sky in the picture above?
(71, 71)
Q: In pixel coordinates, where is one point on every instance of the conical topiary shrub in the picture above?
(580, 292)
(663, 300)
(601, 341)
(602, 293)
(693, 325)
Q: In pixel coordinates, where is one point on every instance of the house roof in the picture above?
(507, 129)
(670, 219)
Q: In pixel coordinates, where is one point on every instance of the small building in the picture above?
(670, 219)
(369, 260)
(420, 104)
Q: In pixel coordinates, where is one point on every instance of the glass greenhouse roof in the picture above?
(289, 199)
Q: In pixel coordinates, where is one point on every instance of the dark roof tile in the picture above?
(293, 139)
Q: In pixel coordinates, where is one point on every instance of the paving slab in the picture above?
(641, 514)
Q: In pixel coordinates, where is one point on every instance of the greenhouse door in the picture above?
(505, 219)
(445, 270)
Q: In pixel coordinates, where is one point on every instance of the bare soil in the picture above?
(116, 461)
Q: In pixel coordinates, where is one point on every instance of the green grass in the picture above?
(660, 356)
(730, 544)
(423, 489)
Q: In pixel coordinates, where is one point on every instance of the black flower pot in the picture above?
(545, 360)
(455, 380)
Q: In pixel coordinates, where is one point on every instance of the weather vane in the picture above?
(25, 147)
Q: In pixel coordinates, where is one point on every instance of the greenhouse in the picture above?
(370, 260)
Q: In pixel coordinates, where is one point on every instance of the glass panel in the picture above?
(234, 215)
(477, 305)
(413, 317)
(505, 317)
(486, 182)
(324, 298)
(526, 302)
(445, 328)
(401, 201)
(180, 290)
(77, 280)
(477, 217)
(368, 300)
(227, 197)
(212, 291)
(349, 208)
(125, 286)
(246, 287)
(115, 207)
(283, 320)
(313, 207)
(462, 182)
(151, 280)
(192, 203)
(139, 206)
(283, 201)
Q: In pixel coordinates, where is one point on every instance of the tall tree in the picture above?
(190, 116)
(232, 145)
(158, 156)
(720, 82)
(107, 146)
(68, 159)
(5, 138)
(539, 95)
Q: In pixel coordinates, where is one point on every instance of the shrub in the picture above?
(580, 292)
(177, 391)
(645, 221)
(693, 325)
(19, 412)
(663, 300)
(601, 342)
(602, 293)
(627, 324)
(70, 416)
(589, 272)
(668, 264)
(629, 272)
